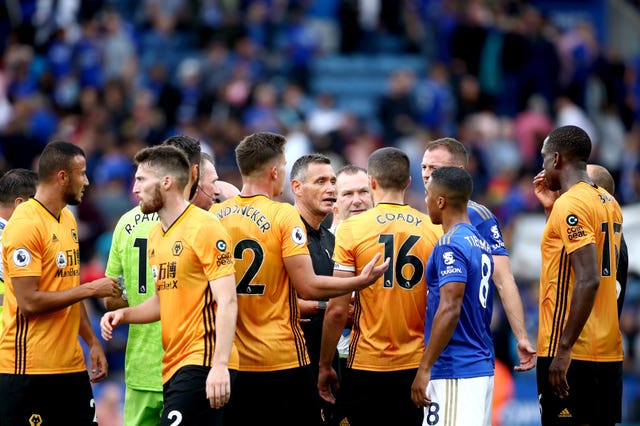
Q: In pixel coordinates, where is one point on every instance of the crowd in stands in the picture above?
(114, 76)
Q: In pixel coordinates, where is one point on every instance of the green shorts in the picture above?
(142, 408)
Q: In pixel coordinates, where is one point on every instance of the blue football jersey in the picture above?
(462, 255)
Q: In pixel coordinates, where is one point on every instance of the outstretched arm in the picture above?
(512, 303)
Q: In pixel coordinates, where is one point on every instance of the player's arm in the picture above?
(584, 262)
(512, 303)
(146, 312)
(308, 285)
(335, 319)
(218, 385)
(99, 367)
(32, 301)
(308, 308)
(445, 322)
(113, 303)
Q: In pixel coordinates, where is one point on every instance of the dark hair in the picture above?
(17, 183)
(570, 141)
(456, 148)
(455, 182)
(166, 159)
(56, 156)
(256, 150)
(390, 167)
(301, 166)
(192, 149)
(350, 169)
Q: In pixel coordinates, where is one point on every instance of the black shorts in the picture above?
(383, 398)
(47, 399)
(595, 394)
(185, 398)
(284, 397)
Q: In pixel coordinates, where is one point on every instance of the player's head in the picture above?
(601, 177)
(388, 168)
(313, 185)
(353, 195)
(16, 186)
(227, 190)
(207, 190)
(161, 169)
(443, 152)
(567, 147)
(261, 156)
(65, 164)
(192, 149)
(448, 188)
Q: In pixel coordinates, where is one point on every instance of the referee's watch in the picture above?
(322, 305)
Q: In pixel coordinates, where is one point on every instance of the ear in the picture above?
(166, 181)
(441, 202)
(273, 173)
(408, 183)
(373, 183)
(296, 186)
(557, 160)
(62, 177)
(18, 201)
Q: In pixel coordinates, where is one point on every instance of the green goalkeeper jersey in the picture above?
(128, 260)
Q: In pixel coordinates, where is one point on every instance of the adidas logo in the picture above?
(54, 239)
(565, 413)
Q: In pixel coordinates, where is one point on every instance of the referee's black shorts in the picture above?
(47, 399)
(595, 394)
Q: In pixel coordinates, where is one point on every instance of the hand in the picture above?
(105, 287)
(526, 354)
(218, 386)
(419, 388)
(558, 373)
(541, 189)
(327, 381)
(108, 322)
(99, 367)
(371, 273)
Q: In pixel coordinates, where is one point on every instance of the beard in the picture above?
(154, 204)
(73, 199)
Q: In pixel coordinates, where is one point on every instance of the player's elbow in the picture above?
(27, 309)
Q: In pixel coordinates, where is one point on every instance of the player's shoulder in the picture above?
(478, 212)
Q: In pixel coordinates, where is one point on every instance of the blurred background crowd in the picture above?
(340, 77)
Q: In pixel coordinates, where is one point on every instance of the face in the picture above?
(147, 189)
(318, 191)
(548, 164)
(77, 181)
(208, 190)
(431, 200)
(353, 195)
(434, 159)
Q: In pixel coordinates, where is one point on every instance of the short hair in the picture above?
(390, 167)
(350, 170)
(455, 147)
(56, 156)
(601, 177)
(455, 182)
(258, 149)
(192, 149)
(204, 157)
(301, 166)
(188, 145)
(570, 141)
(17, 183)
(166, 159)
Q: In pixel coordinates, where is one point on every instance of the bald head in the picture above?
(601, 177)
